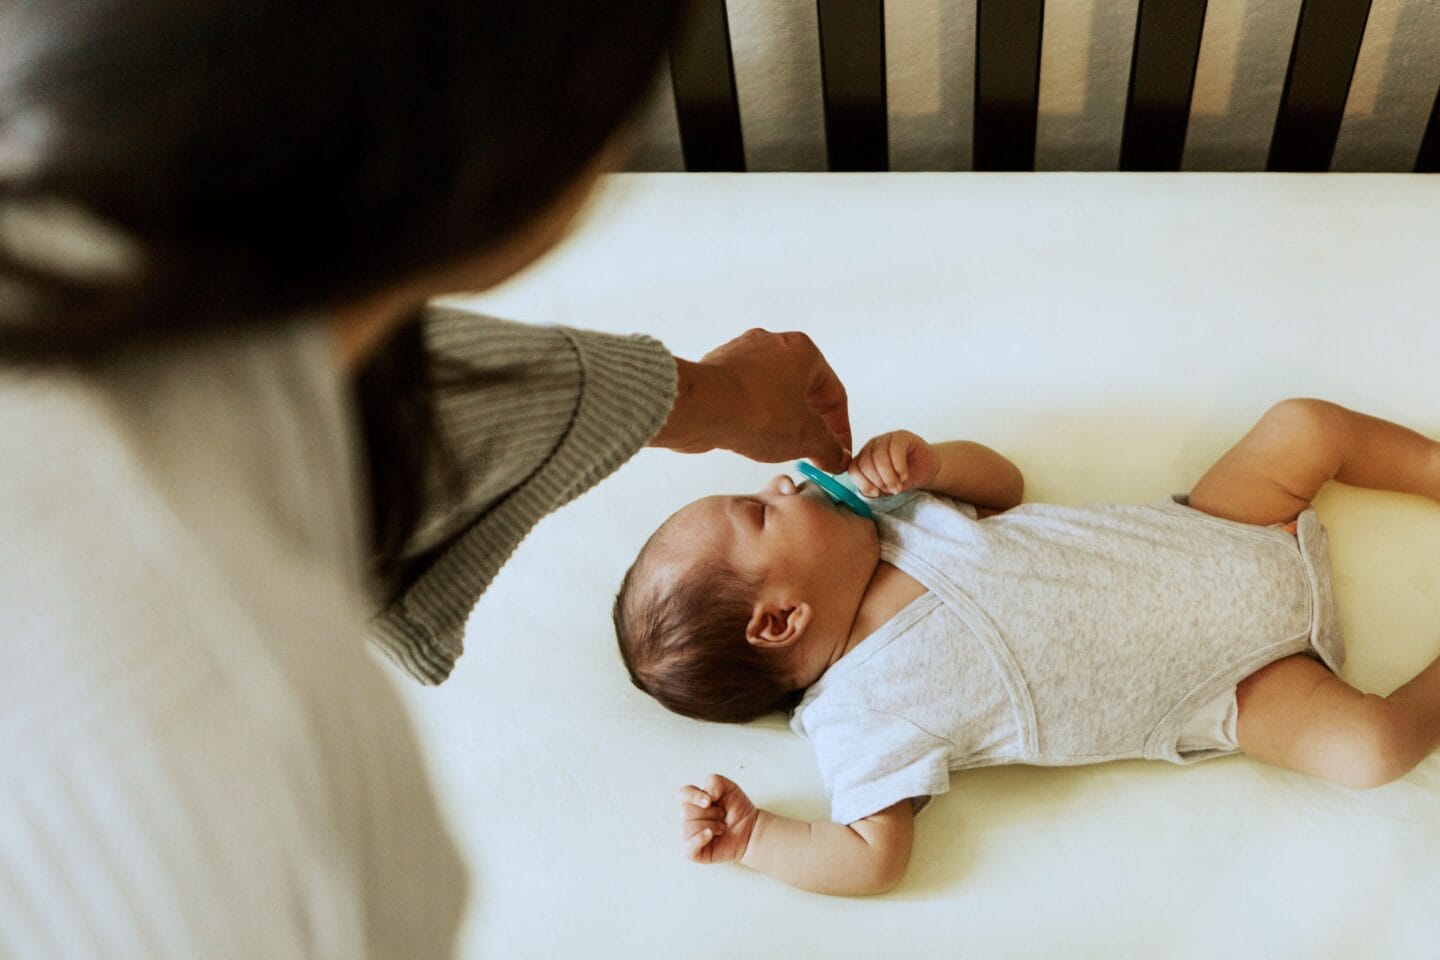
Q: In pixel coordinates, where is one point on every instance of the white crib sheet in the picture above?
(1112, 334)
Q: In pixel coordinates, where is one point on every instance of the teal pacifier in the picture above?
(839, 488)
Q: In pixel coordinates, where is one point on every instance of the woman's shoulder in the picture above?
(147, 554)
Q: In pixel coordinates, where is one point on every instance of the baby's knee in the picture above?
(1303, 417)
(1379, 745)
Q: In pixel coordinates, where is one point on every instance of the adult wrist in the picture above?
(704, 396)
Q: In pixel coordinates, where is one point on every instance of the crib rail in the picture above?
(1322, 63)
(1167, 40)
(1007, 82)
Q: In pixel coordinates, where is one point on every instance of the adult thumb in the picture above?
(824, 449)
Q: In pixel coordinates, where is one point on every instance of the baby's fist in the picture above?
(715, 821)
(893, 463)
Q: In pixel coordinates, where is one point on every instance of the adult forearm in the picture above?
(829, 858)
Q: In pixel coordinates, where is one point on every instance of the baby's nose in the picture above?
(781, 485)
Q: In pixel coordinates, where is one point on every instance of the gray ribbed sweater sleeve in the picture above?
(549, 412)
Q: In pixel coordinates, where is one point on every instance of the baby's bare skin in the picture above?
(1293, 713)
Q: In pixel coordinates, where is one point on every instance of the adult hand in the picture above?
(766, 396)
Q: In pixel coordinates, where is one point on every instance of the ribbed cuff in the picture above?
(626, 391)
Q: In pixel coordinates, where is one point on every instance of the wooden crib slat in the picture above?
(1162, 80)
(702, 74)
(1322, 64)
(852, 71)
(1007, 82)
(1428, 160)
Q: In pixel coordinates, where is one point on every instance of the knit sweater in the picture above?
(550, 412)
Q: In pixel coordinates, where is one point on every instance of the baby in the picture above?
(959, 628)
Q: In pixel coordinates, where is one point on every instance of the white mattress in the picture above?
(1112, 334)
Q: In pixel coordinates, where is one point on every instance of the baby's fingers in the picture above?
(696, 842)
(898, 450)
(713, 817)
(882, 465)
(718, 787)
(862, 471)
(693, 794)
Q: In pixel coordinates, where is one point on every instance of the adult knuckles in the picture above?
(789, 339)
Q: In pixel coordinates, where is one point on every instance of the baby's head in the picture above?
(738, 603)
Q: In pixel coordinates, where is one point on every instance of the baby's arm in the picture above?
(899, 461)
(868, 856)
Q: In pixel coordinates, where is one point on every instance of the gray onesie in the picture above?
(1058, 635)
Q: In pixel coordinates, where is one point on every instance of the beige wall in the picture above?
(1085, 67)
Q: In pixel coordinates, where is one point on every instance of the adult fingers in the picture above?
(823, 448)
(825, 437)
(827, 398)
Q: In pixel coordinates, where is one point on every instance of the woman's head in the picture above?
(168, 166)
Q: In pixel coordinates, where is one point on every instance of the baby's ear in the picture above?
(775, 625)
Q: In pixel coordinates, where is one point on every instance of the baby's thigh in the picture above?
(1297, 715)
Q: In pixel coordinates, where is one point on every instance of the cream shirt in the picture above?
(200, 756)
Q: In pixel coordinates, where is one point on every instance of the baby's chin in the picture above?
(862, 528)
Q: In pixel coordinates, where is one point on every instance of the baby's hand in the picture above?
(715, 822)
(893, 463)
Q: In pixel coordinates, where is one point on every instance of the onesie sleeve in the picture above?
(540, 415)
(870, 760)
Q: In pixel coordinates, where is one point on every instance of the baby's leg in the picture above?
(1280, 465)
(1298, 715)
(1295, 713)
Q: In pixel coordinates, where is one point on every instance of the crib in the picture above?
(1112, 333)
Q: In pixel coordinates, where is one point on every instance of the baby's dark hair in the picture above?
(684, 643)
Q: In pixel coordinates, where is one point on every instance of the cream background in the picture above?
(1111, 334)
(1086, 48)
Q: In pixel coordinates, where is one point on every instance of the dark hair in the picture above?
(686, 645)
(206, 163)
(171, 168)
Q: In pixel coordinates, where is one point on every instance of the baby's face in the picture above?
(785, 533)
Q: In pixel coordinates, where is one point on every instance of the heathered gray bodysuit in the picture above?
(1058, 635)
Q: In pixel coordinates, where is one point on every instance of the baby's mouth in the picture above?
(815, 493)
(838, 489)
(812, 492)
